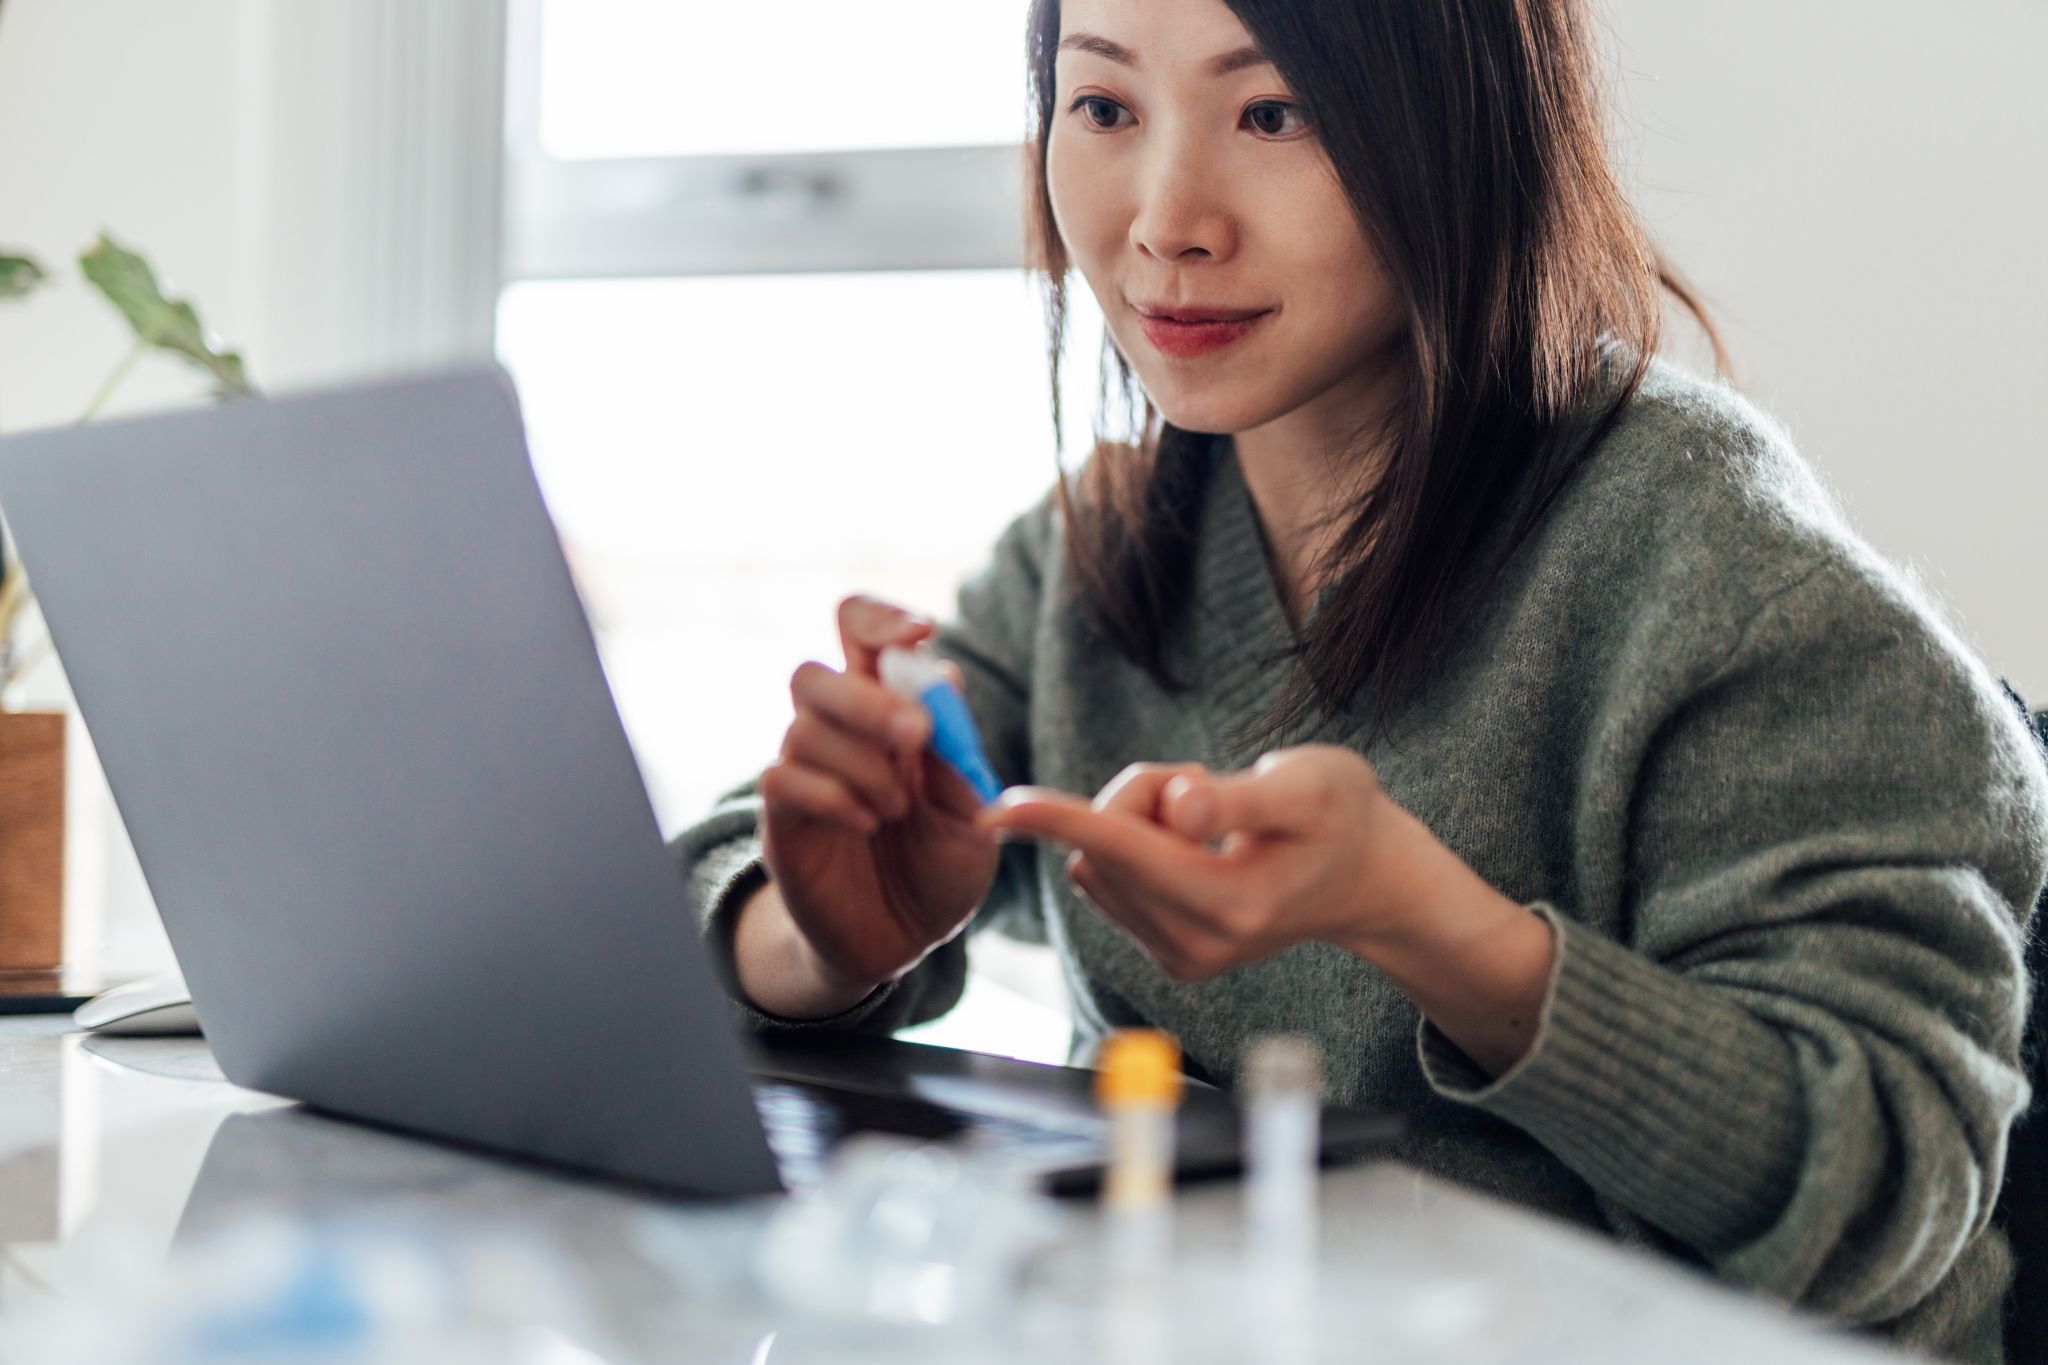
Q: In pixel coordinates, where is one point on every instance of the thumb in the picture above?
(868, 625)
(1206, 806)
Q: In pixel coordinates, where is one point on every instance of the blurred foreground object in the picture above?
(909, 1233)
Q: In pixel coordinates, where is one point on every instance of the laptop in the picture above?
(352, 714)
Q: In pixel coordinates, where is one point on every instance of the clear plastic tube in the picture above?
(1137, 1188)
(1283, 1086)
(1283, 1092)
(1138, 1085)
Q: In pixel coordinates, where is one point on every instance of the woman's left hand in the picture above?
(1211, 870)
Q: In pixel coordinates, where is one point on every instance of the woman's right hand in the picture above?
(869, 836)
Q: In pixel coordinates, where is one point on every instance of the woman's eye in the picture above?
(1271, 118)
(1099, 110)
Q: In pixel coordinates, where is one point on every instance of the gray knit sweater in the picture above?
(1785, 825)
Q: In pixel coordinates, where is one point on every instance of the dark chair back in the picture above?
(2023, 1201)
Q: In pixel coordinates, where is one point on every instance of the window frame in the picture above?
(920, 208)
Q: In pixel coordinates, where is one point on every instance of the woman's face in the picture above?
(1180, 184)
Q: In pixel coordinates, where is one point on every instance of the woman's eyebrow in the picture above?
(1235, 60)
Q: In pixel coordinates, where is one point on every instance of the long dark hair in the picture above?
(1470, 142)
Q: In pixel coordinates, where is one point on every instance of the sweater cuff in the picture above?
(1655, 1089)
(729, 880)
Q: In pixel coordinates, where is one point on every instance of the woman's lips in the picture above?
(1184, 339)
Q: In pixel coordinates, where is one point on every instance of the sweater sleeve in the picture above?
(990, 636)
(1801, 1058)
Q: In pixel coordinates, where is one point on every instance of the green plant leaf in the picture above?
(18, 276)
(168, 325)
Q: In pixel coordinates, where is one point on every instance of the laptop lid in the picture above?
(350, 709)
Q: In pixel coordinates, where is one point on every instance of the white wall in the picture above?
(118, 115)
(319, 176)
(1861, 186)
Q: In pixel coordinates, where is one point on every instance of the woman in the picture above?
(1430, 672)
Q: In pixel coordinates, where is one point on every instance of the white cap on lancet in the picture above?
(908, 672)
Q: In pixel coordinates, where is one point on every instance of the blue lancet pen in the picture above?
(915, 673)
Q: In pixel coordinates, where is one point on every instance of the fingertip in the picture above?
(1007, 800)
(1190, 806)
(1008, 816)
(875, 623)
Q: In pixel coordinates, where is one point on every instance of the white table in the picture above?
(128, 1167)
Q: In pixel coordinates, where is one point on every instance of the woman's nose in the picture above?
(1181, 214)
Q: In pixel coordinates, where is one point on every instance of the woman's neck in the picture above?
(1302, 471)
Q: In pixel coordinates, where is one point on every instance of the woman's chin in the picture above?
(1203, 413)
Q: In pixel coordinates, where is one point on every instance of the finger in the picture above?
(1163, 861)
(866, 767)
(1083, 877)
(1158, 940)
(1277, 795)
(945, 789)
(1105, 895)
(862, 706)
(1136, 790)
(868, 625)
(1097, 891)
(786, 788)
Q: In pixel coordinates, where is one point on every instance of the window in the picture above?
(654, 78)
(727, 456)
(776, 355)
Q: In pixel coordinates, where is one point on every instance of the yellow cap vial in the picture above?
(1138, 1066)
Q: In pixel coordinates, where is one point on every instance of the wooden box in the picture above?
(31, 840)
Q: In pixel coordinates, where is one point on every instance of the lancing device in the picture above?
(916, 674)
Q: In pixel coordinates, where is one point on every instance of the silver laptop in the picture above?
(352, 714)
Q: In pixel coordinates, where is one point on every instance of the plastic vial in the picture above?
(1283, 1090)
(1138, 1085)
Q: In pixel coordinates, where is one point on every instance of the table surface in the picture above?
(138, 1187)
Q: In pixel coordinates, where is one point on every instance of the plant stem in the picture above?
(18, 665)
(113, 381)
